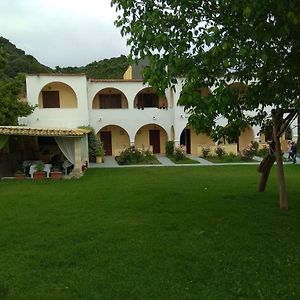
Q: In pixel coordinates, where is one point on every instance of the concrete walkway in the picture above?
(110, 162)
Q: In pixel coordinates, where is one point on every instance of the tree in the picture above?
(10, 105)
(212, 43)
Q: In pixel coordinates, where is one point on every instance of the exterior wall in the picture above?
(57, 117)
(171, 121)
(245, 138)
(142, 139)
(119, 138)
(113, 91)
(198, 140)
(131, 119)
(67, 95)
(128, 74)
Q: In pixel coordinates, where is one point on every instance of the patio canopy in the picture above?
(30, 131)
(72, 142)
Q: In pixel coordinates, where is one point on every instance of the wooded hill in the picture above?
(17, 61)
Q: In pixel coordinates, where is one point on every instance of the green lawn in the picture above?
(184, 161)
(150, 233)
(228, 159)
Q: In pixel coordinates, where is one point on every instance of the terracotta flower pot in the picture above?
(39, 175)
(56, 175)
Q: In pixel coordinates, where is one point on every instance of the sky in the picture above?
(62, 32)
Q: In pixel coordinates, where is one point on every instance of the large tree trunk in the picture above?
(264, 168)
(279, 127)
(277, 121)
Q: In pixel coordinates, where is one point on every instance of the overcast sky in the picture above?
(62, 32)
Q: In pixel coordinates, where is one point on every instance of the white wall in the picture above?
(57, 117)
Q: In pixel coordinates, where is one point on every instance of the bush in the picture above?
(220, 151)
(231, 157)
(263, 152)
(179, 153)
(131, 156)
(93, 142)
(248, 152)
(255, 146)
(205, 152)
(169, 148)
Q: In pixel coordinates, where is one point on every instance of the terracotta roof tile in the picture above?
(22, 130)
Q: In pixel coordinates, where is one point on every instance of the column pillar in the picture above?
(78, 163)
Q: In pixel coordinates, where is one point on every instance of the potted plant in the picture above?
(55, 174)
(39, 173)
(20, 175)
(99, 153)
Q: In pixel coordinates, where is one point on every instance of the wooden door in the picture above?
(105, 137)
(154, 136)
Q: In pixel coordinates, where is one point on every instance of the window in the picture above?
(51, 99)
(147, 100)
(110, 101)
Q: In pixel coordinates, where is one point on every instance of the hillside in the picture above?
(112, 68)
(17, 61)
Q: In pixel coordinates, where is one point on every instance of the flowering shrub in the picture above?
(248, 152)
(220, 151)
(179, 153)
(132, 155)
(255, 145)
(263, 152)
(205, 152)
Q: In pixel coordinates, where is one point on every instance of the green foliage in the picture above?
(94, 143)
(220, 151)
(112, 68)
(18, 62)
(99, 151)
(212, 43)
(255, 146)
(263, 152)
(205, 152)
(10, 105)
(169, 148)
(179, 153)
(39, 167)
(132, 156)
(248, 152)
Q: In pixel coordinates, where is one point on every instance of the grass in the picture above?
(150, 233)
(228, 159)
(149, 160)
(185, 160)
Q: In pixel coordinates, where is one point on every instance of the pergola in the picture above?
(72, 142)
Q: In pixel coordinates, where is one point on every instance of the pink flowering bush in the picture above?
(179, 152)
(248, 152)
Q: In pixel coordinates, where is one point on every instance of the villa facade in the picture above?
(122, 112)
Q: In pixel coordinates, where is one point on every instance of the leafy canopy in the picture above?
(212, 43)
(10, 92)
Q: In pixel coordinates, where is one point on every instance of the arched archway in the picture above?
(151, 137)
(114, 138)
(148, 97)
(57, 95)
(192, 141)
(110, 98)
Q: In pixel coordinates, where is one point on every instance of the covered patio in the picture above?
(21, 147)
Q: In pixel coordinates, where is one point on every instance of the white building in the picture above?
(122, 112)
